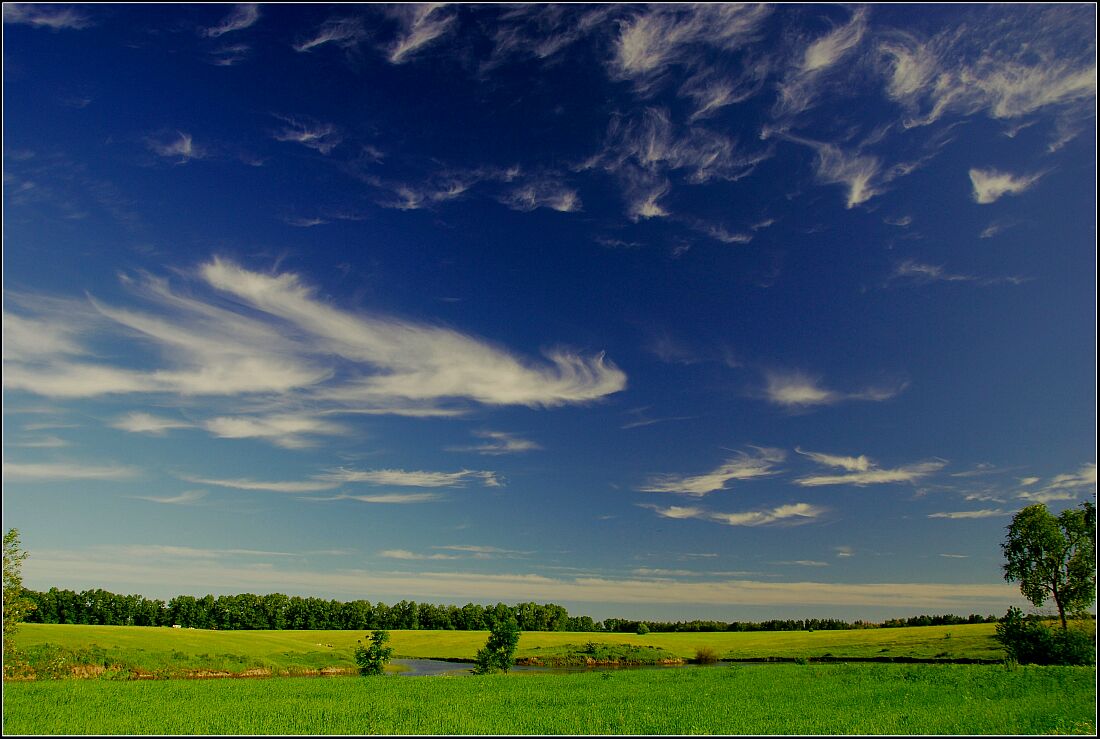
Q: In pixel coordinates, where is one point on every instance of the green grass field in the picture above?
(166, 650)
(736, 699)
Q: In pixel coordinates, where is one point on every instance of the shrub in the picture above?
(1029, 641)
(706, 655)
(642, 629)
(372, 660)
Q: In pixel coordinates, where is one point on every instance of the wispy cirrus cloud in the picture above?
(962, 515)
(55, 471)
(407, 555)
(139, 422)
(1068, 486)
(286, 430)
(43, 15)
(803, 84)
(386, 498)
(542, 194)
(323, 137)
(182, 146)
(796, 390)
(275, 486)
(420, 25)
(991, 184)
(786, 515)
(187, 497)
(742, 466)
(920, 273)
(861, 471)
(496, 443)
(413, 478)
(241, 17)
(345, 33)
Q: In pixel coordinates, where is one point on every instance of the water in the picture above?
(427, 667)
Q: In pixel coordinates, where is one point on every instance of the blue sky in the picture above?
(675, 312)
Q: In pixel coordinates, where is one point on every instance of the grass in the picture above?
(737, 699)
(167, 651)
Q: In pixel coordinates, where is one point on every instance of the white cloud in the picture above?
(497, 442)
(146, 423)
(543, 194)
(324, 137)
(796, 390)
(831, 48)
(804, 82)
(789, 515)
(421, 24)
(343, 32)
(876, 475)
(984, 513)
(309, 486)
(413, 478)
(183, 146)
(742, 466)
(921, 273)
(387, 498)
(287, 430)
(1068, 486)
(990, 184)
(185, 498)
(47, 471)
(28, 338)
(852, 464)
(240, 18)
(406, 554)
(45, 16)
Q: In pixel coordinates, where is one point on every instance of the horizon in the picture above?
(716, 310)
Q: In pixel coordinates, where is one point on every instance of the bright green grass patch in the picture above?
(290, 652)
(738, 699)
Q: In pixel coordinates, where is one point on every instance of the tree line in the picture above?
(247, 611)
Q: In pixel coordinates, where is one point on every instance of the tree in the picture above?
(372, 660)
(499, 651)
(1053, 556)
(16, 605)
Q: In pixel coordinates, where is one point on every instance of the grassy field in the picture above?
(735, 699)
(168, 651)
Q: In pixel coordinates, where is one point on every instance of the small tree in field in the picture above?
(372, 659)
(1053, 556)
(16, 606)
(499, 651)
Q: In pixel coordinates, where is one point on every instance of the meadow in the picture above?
(728, 699)
(170, 652)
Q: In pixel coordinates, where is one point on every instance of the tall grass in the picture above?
(741, 699)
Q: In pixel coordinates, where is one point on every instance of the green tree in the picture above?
(499, 651)
(1053, 556)
(16, 605)
(372, 659)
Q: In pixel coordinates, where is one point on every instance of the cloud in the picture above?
(183, 147)
(795, 390)
(1069, 486)
(851, 464)
(860, 174)
(388, 498)
(498, 442)
(308, 486)
(542, 31)
(990, 184)
(921, 273)
(984, 513)
(789, 515)
(421, 24)
(286, 430)
(875, 475)
(323, 137)
(650, 42)
(45, 16)
(742, 466)
(343, 32)
(419, 479)
(803, 84)
(405, 554)
(51, 471)
(269, 333)
(185, 498)
(80, 569)
(542, 194)
(241, 17)
(145, 423)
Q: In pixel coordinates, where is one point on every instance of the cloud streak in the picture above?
(742, 466)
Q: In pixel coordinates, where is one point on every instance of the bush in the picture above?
(1029, 641)
(642, 629)
(706, 655)
(372, 660)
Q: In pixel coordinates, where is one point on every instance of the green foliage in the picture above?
(372, 659)
(16, 605)
(706, 655)
(499, 652)
(642, 629)
(1053, 556)
(1029, 641)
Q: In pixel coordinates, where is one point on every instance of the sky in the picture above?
(665, 312)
